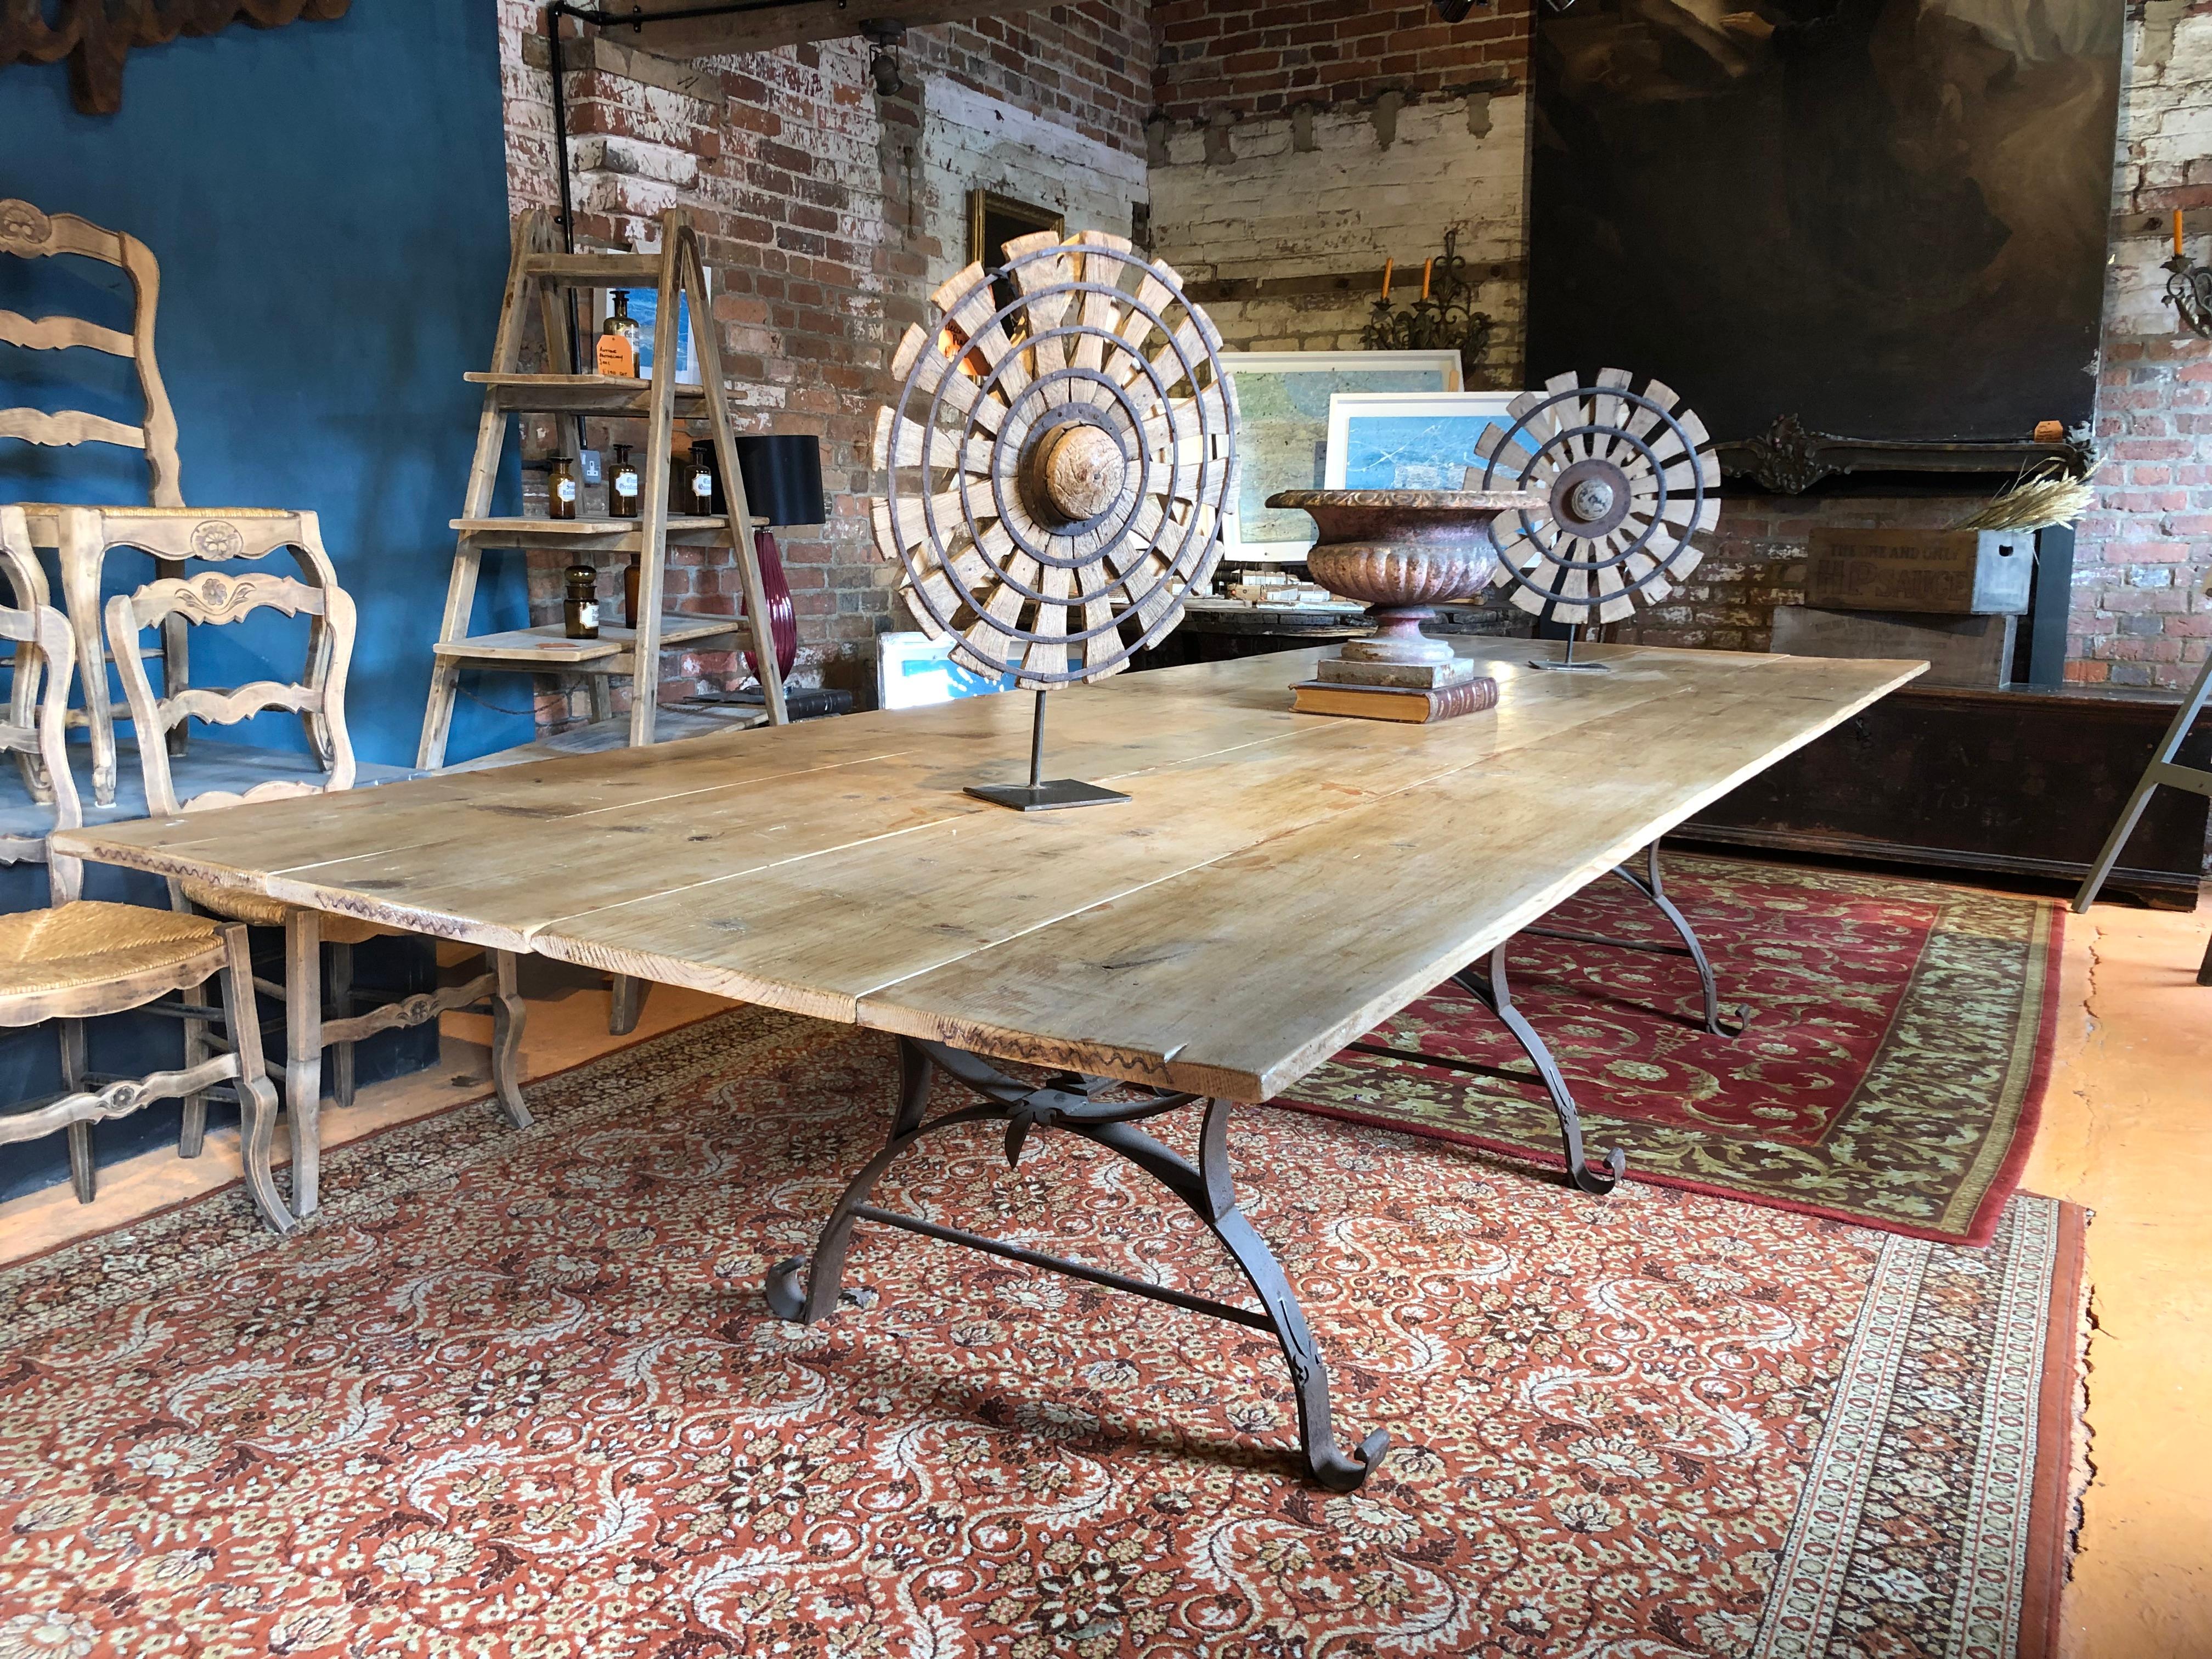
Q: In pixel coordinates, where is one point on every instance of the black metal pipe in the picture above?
(1037, 744)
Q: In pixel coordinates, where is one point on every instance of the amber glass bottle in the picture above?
(562, 489)
(622, 485)
(617, 351)
(631, 577)
(580, 614)
(697, 481)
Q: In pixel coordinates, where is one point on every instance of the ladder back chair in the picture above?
(79, 959)
(28, 232)
(216, 597)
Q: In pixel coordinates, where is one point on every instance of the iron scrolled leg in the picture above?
(1653, 887)
(806, 1289)
(1497, 994)
(1316, 1433)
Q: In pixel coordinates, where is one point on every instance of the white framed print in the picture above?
(1283, 407)
(1421, 440)
(913, 671)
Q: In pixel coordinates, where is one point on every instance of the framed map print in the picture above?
(1282, 440)
(1407, 440)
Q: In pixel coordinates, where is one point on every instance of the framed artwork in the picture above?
(644, 309)
(1282, 401)
(1407, 440)
(914, 671)
(993, 221)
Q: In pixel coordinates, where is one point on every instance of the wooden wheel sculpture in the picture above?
(1056, 466)
(1631, 477)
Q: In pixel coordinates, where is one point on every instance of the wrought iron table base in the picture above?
(807, 1290)
(1489, 987)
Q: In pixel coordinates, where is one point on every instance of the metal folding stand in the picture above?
(2161, 770)
(1489, 987)
(1038, 796)
(808, 1290)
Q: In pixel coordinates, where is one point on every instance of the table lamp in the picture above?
(782, 476)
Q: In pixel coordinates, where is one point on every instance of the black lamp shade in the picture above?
(783, 478)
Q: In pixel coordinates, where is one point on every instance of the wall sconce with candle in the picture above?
(1443, 320)
(2189, 288)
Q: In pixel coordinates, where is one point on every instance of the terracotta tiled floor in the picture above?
(2127, 1130)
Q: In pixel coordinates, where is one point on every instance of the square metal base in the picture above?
(1045, 797)
(1569, 667)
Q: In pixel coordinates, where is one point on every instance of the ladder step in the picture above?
(582, 394)
(595, 535)
(546, 648)
(595, 269)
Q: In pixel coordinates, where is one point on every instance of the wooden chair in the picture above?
(30, 233)
(221, 597)
(78, 959)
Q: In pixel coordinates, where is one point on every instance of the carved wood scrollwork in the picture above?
(216, 595)
(97, 35)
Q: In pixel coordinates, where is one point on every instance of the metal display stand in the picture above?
(2161, 770)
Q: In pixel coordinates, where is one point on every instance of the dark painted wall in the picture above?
(328, 203)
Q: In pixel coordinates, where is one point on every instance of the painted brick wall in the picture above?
(2140, 615)
(828, 215)
(1296, 148)
(1299, 211)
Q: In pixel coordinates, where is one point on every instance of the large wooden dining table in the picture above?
(1276, 885)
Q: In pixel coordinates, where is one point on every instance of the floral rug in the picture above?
(1891, 1073)
(518, 1393)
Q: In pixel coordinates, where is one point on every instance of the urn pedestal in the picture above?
(1403, 552)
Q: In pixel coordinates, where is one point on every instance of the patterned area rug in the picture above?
(1891, 1073)
(518, 1395)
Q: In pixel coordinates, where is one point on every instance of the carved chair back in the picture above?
(50, 655)
(29, 233)
(216, 598)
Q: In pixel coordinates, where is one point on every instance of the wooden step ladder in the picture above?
(543, 274)
(2161, 770)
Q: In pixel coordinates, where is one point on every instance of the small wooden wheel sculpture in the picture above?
(1056, 468)
(1631, 476)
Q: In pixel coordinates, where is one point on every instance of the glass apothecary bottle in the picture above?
(580, 612)
(561, 488)
(622, 485)
(618, 336)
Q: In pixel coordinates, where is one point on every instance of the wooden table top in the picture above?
(1279, 884)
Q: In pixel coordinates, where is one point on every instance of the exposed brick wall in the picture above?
(2140, 615)
(1242, 59)
(1296, 148)
(827, 214)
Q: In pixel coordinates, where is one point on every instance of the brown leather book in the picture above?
(1410, 704)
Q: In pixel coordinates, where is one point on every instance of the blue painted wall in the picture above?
(328, 203)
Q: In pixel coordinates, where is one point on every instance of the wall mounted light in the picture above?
(885, 33)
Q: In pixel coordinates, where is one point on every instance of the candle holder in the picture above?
(2189, 291)
(1443, 320)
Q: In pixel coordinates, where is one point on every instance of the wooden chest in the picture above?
(2020, 784)
(1959, 572)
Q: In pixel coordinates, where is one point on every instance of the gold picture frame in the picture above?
(994, 220)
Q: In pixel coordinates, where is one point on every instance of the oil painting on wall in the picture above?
(1887, 217)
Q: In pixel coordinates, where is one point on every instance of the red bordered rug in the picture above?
(1891, 1073)
(519, 1395)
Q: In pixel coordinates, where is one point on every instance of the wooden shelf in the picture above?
(596, 270)
(598, 535)
(549, 648)
(583, 394)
